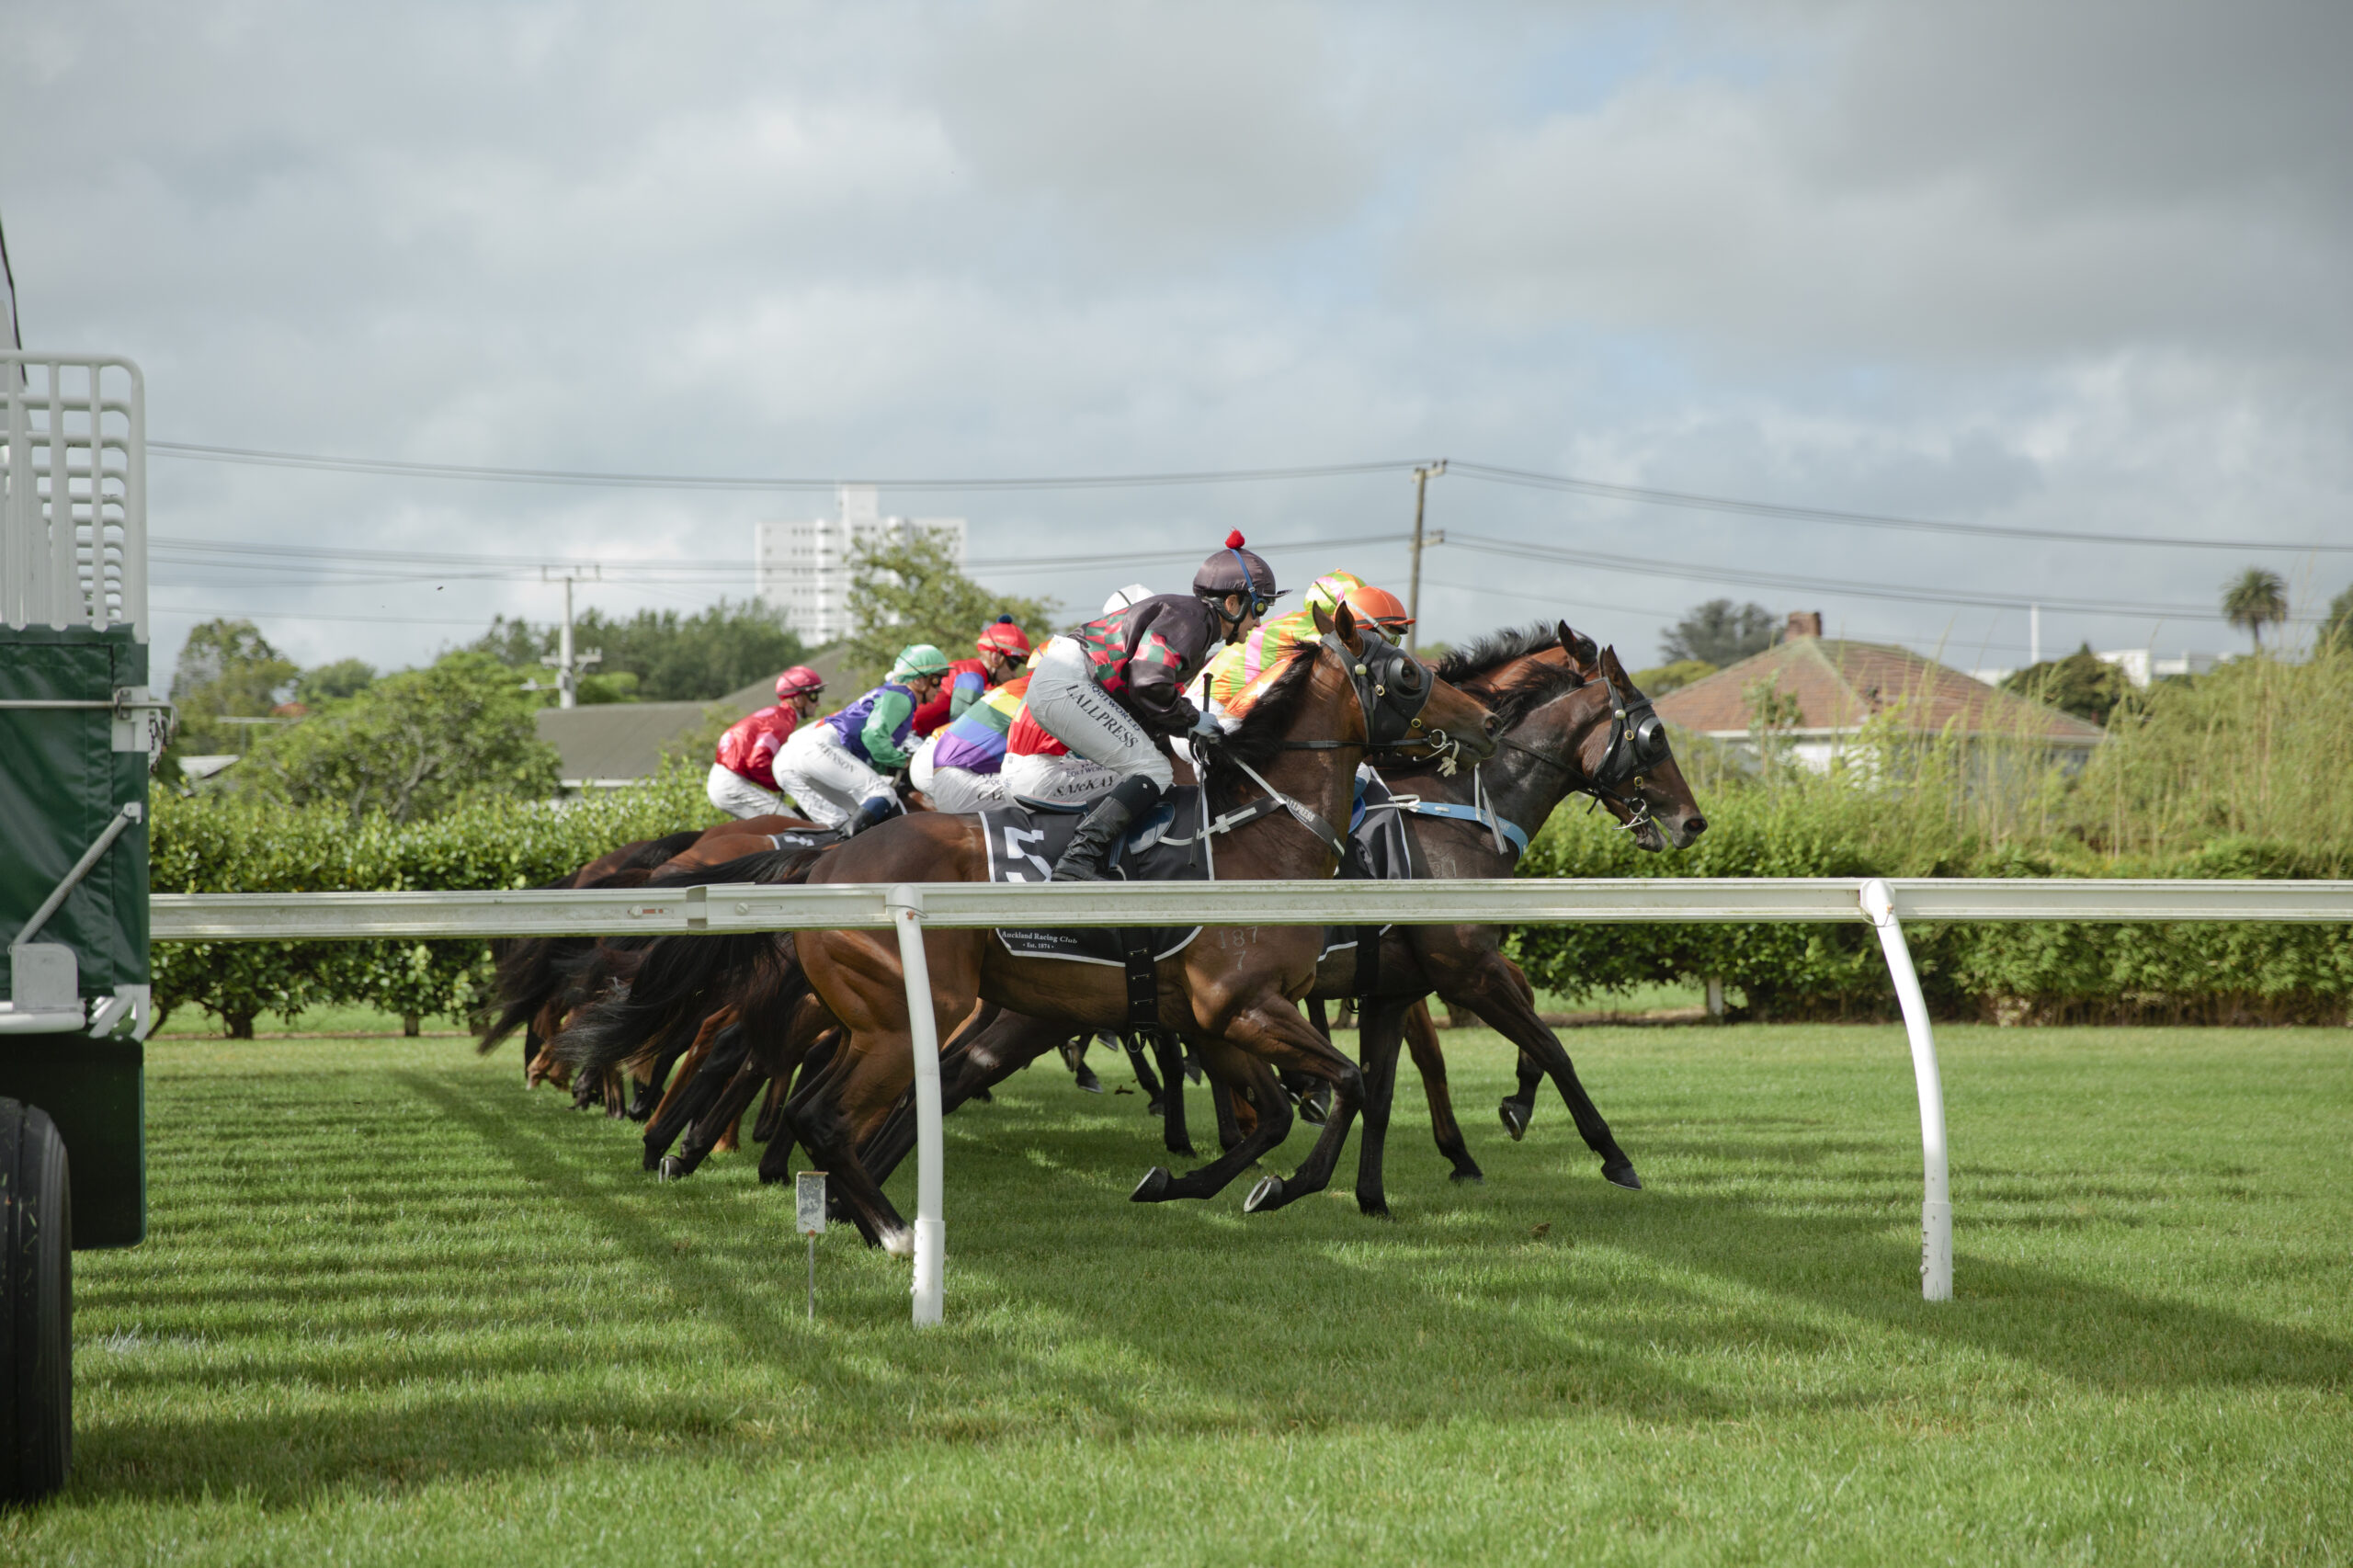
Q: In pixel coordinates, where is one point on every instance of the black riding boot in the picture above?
(871, 812)
(1129, 801)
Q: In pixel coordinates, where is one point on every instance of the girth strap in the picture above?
(1144, 979)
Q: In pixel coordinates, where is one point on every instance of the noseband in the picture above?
(1638, 742)
(1392, 688)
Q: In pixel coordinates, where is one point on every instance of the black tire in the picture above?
(35, 1305)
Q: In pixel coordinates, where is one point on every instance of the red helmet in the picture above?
(799, 681)
(1005, 638)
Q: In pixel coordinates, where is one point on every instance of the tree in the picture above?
(910, 590)
(2083, 683)
(322, 683)
(2336, 632)
(674, 658)
(227, 669)
(1719, 633)
(412, 744)
(2254, 599)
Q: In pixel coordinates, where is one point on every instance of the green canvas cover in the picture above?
(60, 782)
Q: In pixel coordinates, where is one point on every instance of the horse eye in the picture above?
(1409, 675)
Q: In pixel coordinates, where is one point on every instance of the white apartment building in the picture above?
(803, 566)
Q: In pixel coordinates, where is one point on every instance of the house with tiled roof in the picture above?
(1827, 688)
(605, 744)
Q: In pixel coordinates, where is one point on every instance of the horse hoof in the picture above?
(1153, 1187)
(1514, 1117)
(1184, 1150)
(1623, 1175)
(1312, 1113)
(1157, 1107)
(1375, 1206)
(899, 1243)
(673, 1168)
(1268, 1194)
(1475, 1176)
(983, 1095)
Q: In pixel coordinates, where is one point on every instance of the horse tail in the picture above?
(530, 971)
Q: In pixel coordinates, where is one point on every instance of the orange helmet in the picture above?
(1006, 638)
(1381, 607)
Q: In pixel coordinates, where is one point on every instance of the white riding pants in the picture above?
(1070, 706)
(956, 789)
(825, 777)
(739, 797)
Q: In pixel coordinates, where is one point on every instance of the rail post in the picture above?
(905, 904)
(1936, 1198)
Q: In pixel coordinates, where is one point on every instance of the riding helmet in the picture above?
(1234, 570)
(797, 681)
(918, 659)
(1005, 637)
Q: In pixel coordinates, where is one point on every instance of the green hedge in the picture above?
(223, 844)
(1993, 971)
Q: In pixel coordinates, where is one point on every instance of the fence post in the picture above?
(1936, 1199)
(905, 904)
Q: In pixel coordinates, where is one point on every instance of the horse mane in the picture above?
(1486, 669)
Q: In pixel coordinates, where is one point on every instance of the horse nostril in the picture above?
(1491, 726)
(1694, 826)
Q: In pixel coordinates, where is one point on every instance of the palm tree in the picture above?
(2254, 599)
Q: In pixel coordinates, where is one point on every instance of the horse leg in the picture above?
(1146, 1079)
(1226, 1065)
(1229, 1122)
(714, 1132)
(1012, 1042)
(1518, 1107)
(1380, 1027)
(855, 1091)
(1277, 1036)
(1174, 1137)
(686, 1096)
(1421, 1039)
(1501, 996)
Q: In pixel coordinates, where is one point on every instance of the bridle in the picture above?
(1638, 742)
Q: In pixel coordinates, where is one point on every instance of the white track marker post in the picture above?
(809, 1210)
(1935, 1200)
(905, 904)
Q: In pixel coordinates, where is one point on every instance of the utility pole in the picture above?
(2034, 634)
(1422, 476)
(567, 665)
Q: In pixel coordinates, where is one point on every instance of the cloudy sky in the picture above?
(2048, 269)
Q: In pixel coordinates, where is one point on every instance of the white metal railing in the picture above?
(73, 491)
(1884, 903)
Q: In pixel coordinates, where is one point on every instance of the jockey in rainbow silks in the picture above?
(838, 767)
(960, 768)
(1106, 689)
(742, 777)
(1235, 667)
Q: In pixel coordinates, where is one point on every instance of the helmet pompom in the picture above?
(1234, 540)
(1004, 620)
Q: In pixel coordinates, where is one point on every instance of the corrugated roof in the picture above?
(624, 740)
(1838, 685)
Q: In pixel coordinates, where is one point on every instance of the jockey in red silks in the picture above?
(742, 779)
(1105, 690)
(837, 769)
(1002, 647)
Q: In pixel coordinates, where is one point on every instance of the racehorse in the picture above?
(1573, 722)
(1230, 993)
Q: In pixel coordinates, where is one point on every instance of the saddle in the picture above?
(1023, 846)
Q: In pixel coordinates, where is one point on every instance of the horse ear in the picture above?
(1580, 648)
(1323, 619)
(1345, 623)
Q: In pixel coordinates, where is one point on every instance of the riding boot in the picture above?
(875, 808)
(1129, 801)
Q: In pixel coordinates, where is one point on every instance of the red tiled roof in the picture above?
(1838, 685)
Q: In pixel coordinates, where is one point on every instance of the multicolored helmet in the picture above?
(1330, 591)
(1003, 637)
(918, 659)
(1234, 570)
(799, 681)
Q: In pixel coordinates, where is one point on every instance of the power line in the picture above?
(1742, 577)
(1533, 481)
(1491, 472)
(260, 459)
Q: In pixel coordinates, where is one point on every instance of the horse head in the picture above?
(1407, 709)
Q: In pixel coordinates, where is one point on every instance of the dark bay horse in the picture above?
(1572, 724)
(1231, 993)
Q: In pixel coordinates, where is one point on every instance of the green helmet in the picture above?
(918, 659)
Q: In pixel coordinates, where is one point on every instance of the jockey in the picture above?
(1002, 646)
(960, 766)
(1039, 767)
(1105, 690)
(1239, 664)
(837, 769)
(743, 780)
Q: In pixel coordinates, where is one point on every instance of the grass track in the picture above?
(394, 1310)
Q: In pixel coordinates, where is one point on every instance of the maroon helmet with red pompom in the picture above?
(1234, 570)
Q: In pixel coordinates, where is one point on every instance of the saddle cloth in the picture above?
(1024, 845)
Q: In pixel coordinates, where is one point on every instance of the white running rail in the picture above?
(1884, 901)
(73, 491)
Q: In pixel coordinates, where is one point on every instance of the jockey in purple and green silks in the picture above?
(837, 767)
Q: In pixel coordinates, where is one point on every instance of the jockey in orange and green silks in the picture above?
(1239, 664)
